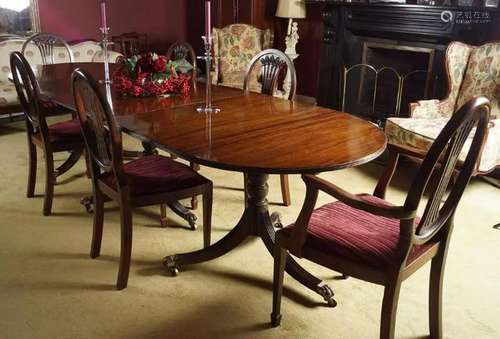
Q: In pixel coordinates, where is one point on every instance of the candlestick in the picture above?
(208, 40)
(105, 44)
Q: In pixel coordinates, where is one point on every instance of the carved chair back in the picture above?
(273, 64)
(131, 43)
(468, 124)
(100, 130)
(46, 44)
(28, 92)
(181, 50)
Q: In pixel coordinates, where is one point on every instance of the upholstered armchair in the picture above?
(472, 71)
(234, 47)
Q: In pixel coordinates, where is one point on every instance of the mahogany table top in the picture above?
(252, 133)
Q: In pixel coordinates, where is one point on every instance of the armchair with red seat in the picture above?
(366, 237)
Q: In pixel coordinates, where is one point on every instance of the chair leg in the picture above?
(436, 296)
(163, 215)
(245, 188)
(389, 308)
(30, 192)
(126, 241)
(95, 247)
(279, 270)
(49, 183)
(285, 190)
(194, 199)
(207, 215)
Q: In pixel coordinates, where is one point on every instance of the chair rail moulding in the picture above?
(348, 26)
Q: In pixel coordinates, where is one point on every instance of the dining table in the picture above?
(254, 134)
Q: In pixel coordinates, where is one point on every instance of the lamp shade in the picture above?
(294, 9)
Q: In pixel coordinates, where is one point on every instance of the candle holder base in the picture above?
(208, 110)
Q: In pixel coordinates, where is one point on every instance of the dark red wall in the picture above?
(163, 20)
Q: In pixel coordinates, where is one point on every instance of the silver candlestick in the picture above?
(208, 108)
(105, 45)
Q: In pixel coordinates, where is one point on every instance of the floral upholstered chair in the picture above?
(472, 71)
(234, 47)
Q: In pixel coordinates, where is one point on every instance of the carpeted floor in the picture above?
(50, 288)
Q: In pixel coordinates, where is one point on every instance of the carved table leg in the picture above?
(184, 213)
(254, 221)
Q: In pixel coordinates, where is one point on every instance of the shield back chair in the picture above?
(59, 137)
(472, 71)
(366, 237)
(52, 48)
(48, 49)
(271, 64)
(234, 46)
(149, 180)
(183, 53)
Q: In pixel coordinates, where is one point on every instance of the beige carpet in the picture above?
(50, 288)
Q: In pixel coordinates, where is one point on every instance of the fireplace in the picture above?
(389, 77)
(377, 58)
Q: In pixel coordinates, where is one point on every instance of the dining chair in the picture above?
(52, 48)
(184, 53)
(271, 64)
(131, 43)
(148, 180)
(63, 136)
(366, 237)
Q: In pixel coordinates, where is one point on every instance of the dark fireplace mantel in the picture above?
(348, 26)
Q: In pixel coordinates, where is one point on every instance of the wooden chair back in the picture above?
(273, 64)
(440, 162)
(28, 92)
(131, 43)
(46, 43)
(100, 130)
(182, 50)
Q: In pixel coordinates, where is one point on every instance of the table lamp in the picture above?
(291, 9)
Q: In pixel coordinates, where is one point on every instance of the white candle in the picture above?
(208, 19)
(103, 14)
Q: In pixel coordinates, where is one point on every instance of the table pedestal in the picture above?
(254, 221)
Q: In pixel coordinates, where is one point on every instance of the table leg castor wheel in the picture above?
(171, 265)
(87, 202)
(276, 219)
(326, 292)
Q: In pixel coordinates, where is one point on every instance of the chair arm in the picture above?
(395, 212)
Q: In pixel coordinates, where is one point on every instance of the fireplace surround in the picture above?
(414, 32)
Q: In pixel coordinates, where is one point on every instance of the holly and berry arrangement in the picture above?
(151, 74)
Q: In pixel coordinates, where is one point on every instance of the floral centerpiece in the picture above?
(150, 74)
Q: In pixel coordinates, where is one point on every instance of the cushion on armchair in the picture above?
(420, 133)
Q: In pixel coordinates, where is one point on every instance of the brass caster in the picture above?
(174, 271)
(276, 219)
(327, 293)
(191, 219)
(87, 203)
(171, 265)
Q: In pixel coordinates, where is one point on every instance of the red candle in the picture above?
(103, 14)
(208, 19)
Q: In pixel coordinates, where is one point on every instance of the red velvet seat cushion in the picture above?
(66, 131)
(156, 174)
(340, 230)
